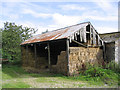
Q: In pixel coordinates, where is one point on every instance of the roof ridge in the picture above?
(71, 26)
(64, 27)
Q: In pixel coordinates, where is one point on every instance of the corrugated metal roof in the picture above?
(110, 37)
(56, 34)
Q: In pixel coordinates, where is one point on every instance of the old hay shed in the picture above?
(64, 51)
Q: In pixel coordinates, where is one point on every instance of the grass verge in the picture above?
(16, 77)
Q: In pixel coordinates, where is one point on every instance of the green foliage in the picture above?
(12, 36)
(113, 66)
(97, 75)
(105, 75)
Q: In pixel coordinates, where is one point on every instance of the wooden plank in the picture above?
(79, 43)
(67, 53)
(80, 35)
(84, 33)
(49, 62)
(70, 39)
(98, 40)
(35, 52)
(94, 37)
(75, 35)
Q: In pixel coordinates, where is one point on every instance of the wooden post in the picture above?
(35, 55)
(67, 55)
(27, 54)
(49, 62)
(90, 35)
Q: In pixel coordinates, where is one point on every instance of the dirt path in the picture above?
(52, 82)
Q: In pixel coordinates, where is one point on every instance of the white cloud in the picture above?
(102, 18)
(64, 20)
(72, 7)
(104, 5)
(59, 19)
(35, 14)
(108, 6)
(56, 0)
(10, 11)
(13, 12)
(37, 26)
(1, 23)
(106, 29)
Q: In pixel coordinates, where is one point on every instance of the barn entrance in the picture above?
(55, 49)
(47, 53)
(41, 56)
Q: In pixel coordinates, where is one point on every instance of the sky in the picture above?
(54, 15)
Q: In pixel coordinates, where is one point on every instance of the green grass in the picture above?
(15, 85)
(12, 77)
(16, 77)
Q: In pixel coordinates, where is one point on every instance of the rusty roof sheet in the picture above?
(56, 34)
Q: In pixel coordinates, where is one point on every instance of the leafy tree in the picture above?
(12, 36)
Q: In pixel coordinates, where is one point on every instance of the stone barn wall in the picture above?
(28, 60)
(79, 56)
(62, 64)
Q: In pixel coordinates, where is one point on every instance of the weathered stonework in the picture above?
(79, 56)
(28, 60)
(62, 64)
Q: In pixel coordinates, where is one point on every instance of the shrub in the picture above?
(113, 66)
(98, 73)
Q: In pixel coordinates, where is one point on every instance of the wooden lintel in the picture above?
(93, 46)
(49, 62)
(79, 43)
